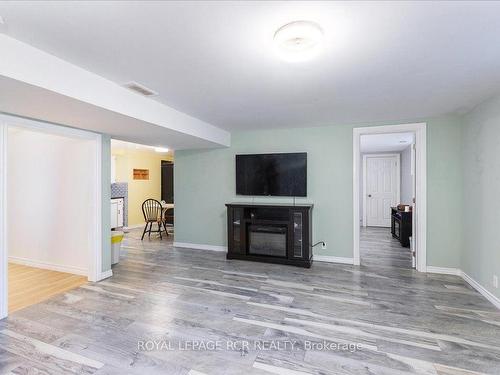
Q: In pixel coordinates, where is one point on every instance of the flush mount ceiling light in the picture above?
(298, 41)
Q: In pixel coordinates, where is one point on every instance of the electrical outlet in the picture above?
(323, 246)
(495, 281)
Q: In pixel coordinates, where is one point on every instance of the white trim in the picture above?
(481, 289)
(3, 223)
(469, 280)
(95, 257)
(200, 246)
(420, 207)
(364, 191)
(398, 178)
(48, 266)
(444, 270)
(330, 259)
(421, 182)
(105, 275)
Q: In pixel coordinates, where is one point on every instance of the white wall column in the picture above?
(3, 222)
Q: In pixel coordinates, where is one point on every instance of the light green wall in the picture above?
(204, 181)
(481, 161)
(444, 192)
(106, 198)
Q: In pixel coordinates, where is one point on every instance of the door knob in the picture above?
(369, 195)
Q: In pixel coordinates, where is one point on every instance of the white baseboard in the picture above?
(105, 275)
(330, 259)
(469, 280)
(444, 270)
(486, 294)
(200, 246)
(49, 266)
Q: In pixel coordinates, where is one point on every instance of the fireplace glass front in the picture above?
(267, 240)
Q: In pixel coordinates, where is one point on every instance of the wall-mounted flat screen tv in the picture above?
(283, 174)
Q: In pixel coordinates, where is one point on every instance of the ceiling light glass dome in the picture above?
(298, 41)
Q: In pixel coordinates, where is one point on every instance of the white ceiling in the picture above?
(384, 61)
(41, 104)
(385, 142)
(38, 85)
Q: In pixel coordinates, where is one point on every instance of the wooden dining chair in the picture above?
(152, 211)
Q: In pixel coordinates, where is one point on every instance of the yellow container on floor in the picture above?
(116, 244)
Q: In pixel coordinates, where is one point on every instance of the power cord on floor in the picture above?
(320, 242)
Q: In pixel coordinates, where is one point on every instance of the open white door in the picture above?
(381, 188)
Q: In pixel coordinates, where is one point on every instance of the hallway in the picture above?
(378, 249)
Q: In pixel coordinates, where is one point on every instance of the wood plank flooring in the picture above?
(377, 248)
(29, 285)
(259, 318)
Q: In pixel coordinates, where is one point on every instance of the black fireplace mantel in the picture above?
(273, 233)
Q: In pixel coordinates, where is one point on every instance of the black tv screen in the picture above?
(272, 174)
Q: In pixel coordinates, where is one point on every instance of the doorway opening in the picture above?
(139, 174)
(167, 192)
(50, 211)
(390, 196)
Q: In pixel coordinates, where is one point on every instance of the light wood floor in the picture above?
(28, 285)
(379, 249)
(384, 319)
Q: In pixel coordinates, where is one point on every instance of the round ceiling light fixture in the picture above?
(298, 41)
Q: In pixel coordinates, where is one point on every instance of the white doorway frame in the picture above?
(398, 178)
(3, 224)
(420, 205)
(95, 253)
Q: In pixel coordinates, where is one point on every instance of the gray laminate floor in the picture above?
(253, 318)
(377, 248)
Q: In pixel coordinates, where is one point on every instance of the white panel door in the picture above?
(382, 189)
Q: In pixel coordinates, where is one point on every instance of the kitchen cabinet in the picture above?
(117, 205)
